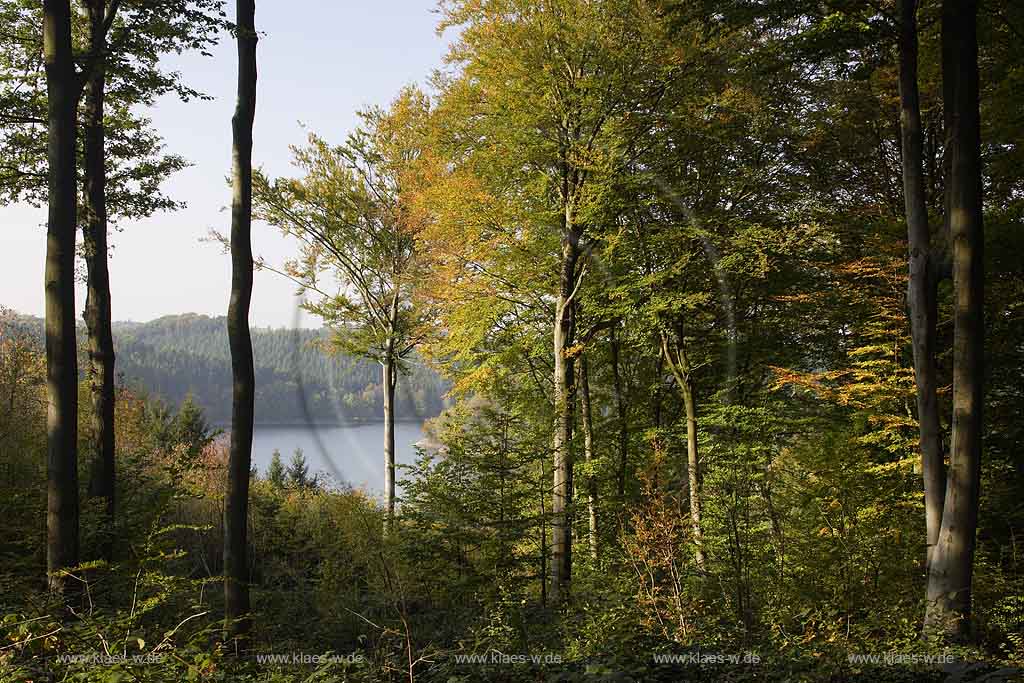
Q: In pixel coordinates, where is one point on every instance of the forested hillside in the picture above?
(299, 378)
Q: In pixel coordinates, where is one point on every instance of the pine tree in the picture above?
(275, 471)
(298, 471)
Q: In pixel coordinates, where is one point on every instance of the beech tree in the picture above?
(952, 561)
(926, 266)
(587, 419)
(544, 88)
(236, 503)
(357, 228)
(951, 495)
(122, 42)
(61, 359)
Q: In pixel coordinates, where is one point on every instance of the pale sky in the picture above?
(319, 62)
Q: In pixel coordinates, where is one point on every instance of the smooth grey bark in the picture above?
(61, 361)
(948, 609)
(587, 420)
(561, 499)
(679, 363)
(97, 305)
(390, 378)
(922, 290)
(236, 566)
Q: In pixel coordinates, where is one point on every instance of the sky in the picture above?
(319, 62)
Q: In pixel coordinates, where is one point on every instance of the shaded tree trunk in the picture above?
(389, 437)
(61, 360)
(950, 573)
(587, 420)
(656, 399)
(97, 304)
(679, 363)
(922, 292)
(778, 531)
(561, 500)
(236, 566)
(620, 409)
(543, 537)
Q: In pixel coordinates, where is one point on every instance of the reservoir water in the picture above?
(346, 453)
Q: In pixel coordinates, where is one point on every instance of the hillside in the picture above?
(178, 355)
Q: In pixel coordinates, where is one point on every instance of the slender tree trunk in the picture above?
(693, 470)
(620, 409)
(679, 363)
(561, 500)
(587, 419)
(950, 573)
(61, 360)
(657, 395)
(236, 509)
(778, 534)
(97, 304)
(921, 290)
(543, 538)
(389, 438)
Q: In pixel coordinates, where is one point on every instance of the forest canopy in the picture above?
(724, 301)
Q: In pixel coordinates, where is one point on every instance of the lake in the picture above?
(348, 453)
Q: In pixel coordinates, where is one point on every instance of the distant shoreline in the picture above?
(351, 423)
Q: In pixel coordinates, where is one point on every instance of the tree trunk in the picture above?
(588, 454)
(61, 360)
(389, 438)
(921, 287)
(656, 398)
(543, 538)
(680, 366)
(561, 499)
(620, 408)
(778, 533)
(97, 304)
(236, 566)
(949, 577)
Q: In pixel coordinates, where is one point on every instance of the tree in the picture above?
(297, 474)
(190, 429)
(587, 418)
(353, 218)
(236, 564)
(546, 95)
(130, 56)
(951, 569)
(925, 271)
(97, 302)
(61, 359)
(614, 350)
(951, 497)
(275, 470)
(673, 347)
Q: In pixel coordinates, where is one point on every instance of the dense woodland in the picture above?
(728, 298)
(179, 357)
